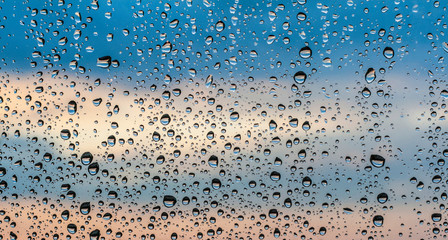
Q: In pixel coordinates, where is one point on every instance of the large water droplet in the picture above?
(382, 198)
(71, 228)
(209, 81)
(378, 220)
(65, 215)
(370, 75)
(95, 235)
(366, 93)
(445, 46)
(275, 176)
(294, 122)
(234, 116)
(85, 208)
(169, 201)
(165, 119)
(306, 126)
(436, 217)
(104, 62)
(306, 181)
(86, 158)
(65, 134)
(213, 161)
(72, 107)
(305, 52)
(93, 168)
(444, 94)
(300, 77)
(219, 26)
(388, 52)
(377, 160)
(273, 213)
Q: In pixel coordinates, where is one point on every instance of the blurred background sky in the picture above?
(224, 74)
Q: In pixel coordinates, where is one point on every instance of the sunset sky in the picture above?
(124, 106)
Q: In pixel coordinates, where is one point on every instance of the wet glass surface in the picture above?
(201, 119)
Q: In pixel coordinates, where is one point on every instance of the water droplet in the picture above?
(436, 217)
(301, 16)
(388, 52)
(85, 208)
(322, 231)
(273, 213)
(174, 23)
(377, 160)
(326, 62)
(165, 119)
(97, 101)
(65, 215)
(294, 122)
(306, 181)
(272, 125)
(86, 158)
(445, 46)
(65, 134)
(167, 47)
(93, 168)
(209, 81)
(300, 77)
(275, 176)
(95, 235)
(370, 75)
(378, 220)
(103, 62)
(234, 116)
(306, 126)
(72, 107)
(71, 228)
(382, 198)
(347, 210)
(169, 201)
(219, 26)
(213, 161)
(216, 184)
(366, 93)
(305, 52)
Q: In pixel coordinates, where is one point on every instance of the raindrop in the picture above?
(95, 235)
(378, 220)
(370, 75)
(306, 182)
(366, 93)
(445, 46)
(382, 198)
(72, 107)
(234, 116)
(388, 52)
(300, 77)
(165, 119)
(65, 134)
(306, 126)
(436, 217)
(104, 62)
(275, 176)
(169, 201)
(219, 26)
(213, 161)
(85, 208)
(86, 158)
(305, 52)
(93, 168)
(377, 160)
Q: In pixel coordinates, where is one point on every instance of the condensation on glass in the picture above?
(207, 119)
